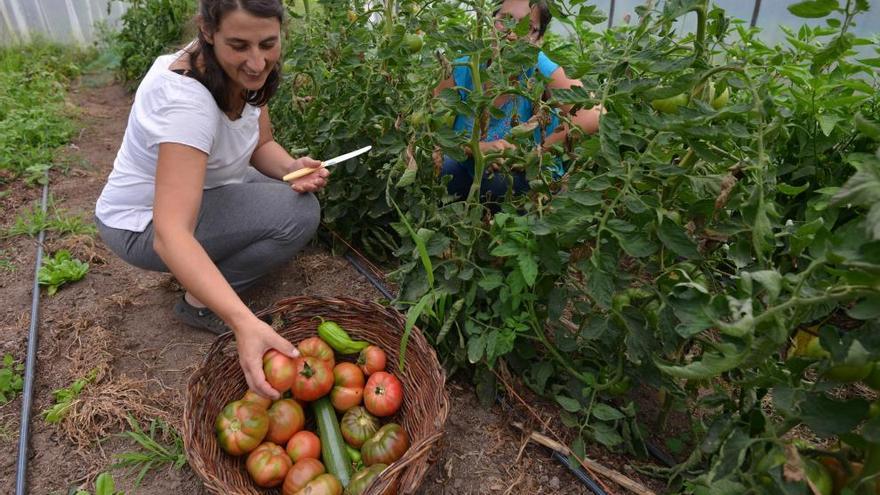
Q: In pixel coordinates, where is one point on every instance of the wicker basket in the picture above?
(219, 380)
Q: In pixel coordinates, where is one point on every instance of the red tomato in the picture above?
(279, 370)
(325, 484)
(251, 396)
(357, 426)
(303, 445)
(300, 474)
(286, 417)
(268, 465)
(313, 379)
(348, 387)
(386, 446)
(383, 394)
(241, 426)
(315, 347)
(371, 360)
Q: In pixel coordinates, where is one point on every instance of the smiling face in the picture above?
(247, 48)
(512, 11)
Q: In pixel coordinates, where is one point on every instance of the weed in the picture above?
(160, 444)
(104, 485)
(30, 221)
(64, 397)
(10, 379)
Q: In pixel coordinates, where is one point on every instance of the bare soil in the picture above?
(117, 325)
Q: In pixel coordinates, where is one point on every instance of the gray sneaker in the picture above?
(202, 318)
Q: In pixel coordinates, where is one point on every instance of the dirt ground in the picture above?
(117, 324)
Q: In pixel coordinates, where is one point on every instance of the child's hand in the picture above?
(497, 146)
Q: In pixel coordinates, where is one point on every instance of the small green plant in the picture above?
(61, 269)
(5, 263)
(33, 219)
(10, 379)
(104, 485)
(64, 397)
(160, 444)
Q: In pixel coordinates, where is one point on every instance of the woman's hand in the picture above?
(313, 182)
(253, 340)
(495, 149)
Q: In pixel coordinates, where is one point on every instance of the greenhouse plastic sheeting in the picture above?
(65, 21)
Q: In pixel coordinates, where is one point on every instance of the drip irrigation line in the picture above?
(30, 363)
(579, 473)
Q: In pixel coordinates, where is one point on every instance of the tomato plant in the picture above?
(241, 427)
(383, 394)
(268, 465)
(348, 389)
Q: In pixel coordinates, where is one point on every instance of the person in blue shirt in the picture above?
(515, 109)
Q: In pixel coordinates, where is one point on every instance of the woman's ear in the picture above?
(207, 35)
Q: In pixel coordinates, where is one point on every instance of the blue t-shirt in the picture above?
(516, 105)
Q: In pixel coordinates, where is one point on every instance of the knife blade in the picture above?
(296, 174)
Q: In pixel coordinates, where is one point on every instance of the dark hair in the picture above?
(213, 76)
(544, 15)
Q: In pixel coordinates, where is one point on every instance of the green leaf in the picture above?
(676, 239)
(529, 268)
(568, 403)
(867, 127)
(412, 315)
(828, 122)
(475, 347)
(606, 435)
(866, 309)
(791, 190)
(104, 485)
(420, 246)
(813, 9)
(712, 363)
(606, 412)
(828, 417)
(771, 280)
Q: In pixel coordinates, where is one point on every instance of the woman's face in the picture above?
(512, 11)
(247, 47)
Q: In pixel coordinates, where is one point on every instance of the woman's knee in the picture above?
(302, 216)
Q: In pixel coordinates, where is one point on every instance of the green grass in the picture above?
(160, 444)
(34, 118)
(31, 220)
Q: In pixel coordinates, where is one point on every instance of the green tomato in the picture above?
(620, 387)
(362, 479)
(874, 408)
(815, 350)
(720, 101)
(412, 42)
(417, 118)
(848, 372)
(819, 476)
(873, 378)
(671, 104)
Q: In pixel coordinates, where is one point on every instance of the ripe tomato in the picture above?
(251, 396)
(383, 394)
(279, 370)
(358, 426)
(313, 379)
(241, 426)
(324, 484)
(300, 474)
(371, 360)
(348, 389)
(304, 445)
(362, 479)
(315, 347)
(268, 465)
(286, 417)
(386, 446)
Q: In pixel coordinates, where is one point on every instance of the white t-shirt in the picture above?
(173, 108)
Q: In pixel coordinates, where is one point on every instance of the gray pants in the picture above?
(247, 229)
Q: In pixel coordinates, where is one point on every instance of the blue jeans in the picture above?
(493, 186)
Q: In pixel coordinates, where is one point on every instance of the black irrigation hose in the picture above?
(578, 472)
(28, 390)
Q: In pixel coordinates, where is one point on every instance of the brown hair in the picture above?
(544, 15)
(212, 76)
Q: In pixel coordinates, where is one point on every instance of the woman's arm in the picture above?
(586, 118)
(180, 176)
(273, 160)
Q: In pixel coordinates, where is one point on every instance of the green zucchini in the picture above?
(332, 445)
